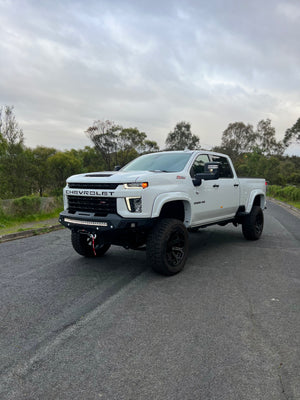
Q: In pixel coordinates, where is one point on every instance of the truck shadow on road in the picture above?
(131, 263)
(214, 239)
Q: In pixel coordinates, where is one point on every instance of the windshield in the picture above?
(159, 162)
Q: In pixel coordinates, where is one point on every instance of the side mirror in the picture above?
(117, 167)
(211, 172)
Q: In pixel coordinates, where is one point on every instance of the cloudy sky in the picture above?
(148, 64)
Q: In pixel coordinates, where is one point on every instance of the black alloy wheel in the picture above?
(167, 246)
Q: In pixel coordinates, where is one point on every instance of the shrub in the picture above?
(290, 193)
(26, 206)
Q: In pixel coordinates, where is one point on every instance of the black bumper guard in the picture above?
(90, 223)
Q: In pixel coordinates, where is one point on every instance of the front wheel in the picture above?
(82, 243)
(167, 246)
(253, 224)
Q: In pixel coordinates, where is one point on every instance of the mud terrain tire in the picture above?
(167, 246)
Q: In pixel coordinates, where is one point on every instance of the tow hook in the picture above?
(93, 237)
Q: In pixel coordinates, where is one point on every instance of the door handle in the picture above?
(215, 185)
(236, 185)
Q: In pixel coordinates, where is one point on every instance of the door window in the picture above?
(225, 170)
(198, 165)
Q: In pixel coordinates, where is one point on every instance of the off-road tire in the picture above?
(167, 246)
(253, 224)
(82, 244)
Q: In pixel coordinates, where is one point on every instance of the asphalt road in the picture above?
(227, 327)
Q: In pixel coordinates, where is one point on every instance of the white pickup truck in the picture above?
(154, 201)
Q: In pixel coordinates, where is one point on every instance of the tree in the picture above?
(131, 143)
(292, 133)
(40, 171)
(182, 138)
(266, 139)
(240, 138)
(13, 159)
(118, 145)
(237, 138)
(104, 135)
(91, 159)
(3, 143)
(150, 146)
(62, 165)
(131, 138)
(9, 127)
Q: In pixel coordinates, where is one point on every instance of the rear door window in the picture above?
(224, 168)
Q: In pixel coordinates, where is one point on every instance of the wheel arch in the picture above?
(256, 198)
(176, 206)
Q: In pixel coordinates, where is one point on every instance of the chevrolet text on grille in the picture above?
(88, 193)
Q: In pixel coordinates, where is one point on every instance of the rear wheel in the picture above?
(82, 243)
(167, 246)
(253, 224)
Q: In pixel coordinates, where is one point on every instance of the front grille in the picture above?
(87, 185)
(101, 206)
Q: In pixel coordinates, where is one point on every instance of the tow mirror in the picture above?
(211, 172)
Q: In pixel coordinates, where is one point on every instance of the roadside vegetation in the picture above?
(42, 171)
(28, 209)
(287, 194)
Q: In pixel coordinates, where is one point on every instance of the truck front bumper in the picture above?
(111, 222)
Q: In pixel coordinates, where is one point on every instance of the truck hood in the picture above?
(115, 177)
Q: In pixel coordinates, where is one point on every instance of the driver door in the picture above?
(204, 203)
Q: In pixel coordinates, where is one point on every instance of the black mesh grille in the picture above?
(87, 185)
(101, 206)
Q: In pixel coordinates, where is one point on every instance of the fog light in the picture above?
(134, 204)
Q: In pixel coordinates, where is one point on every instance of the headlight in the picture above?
(136, 185)
(134, 204)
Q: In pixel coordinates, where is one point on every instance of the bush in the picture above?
(26, 206)
(289, 193)
(28, 209)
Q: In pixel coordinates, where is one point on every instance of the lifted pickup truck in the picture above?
(154, 201)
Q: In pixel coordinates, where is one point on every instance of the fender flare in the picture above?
(164, 198)
(252, 196)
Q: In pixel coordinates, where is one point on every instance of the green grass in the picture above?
(7, 221)
(295, 204)
(291, 203)
(27, 209)
(287, 194)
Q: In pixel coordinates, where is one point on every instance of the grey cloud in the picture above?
(148, 64)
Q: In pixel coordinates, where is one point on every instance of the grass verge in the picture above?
(287, 194)
(295, 204)
(7, 221)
